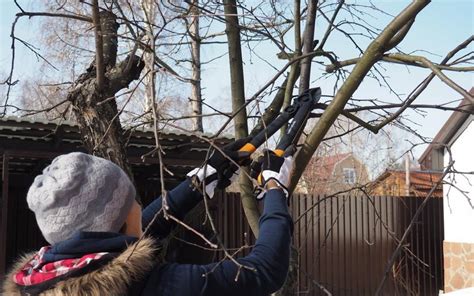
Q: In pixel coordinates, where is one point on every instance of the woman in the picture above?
(85, 208)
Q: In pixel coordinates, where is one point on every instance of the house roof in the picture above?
(30, 142)
(451, 126)
(421, 182)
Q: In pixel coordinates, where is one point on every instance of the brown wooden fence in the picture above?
(345, 242)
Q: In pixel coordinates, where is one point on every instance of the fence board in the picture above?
(345, 242)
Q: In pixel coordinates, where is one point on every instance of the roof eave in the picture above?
(450, 127)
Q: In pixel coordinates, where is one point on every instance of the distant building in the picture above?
(394, 183)
(332, 174)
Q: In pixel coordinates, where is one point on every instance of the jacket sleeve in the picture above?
(265, 268)
(180, 200)
(269, 258)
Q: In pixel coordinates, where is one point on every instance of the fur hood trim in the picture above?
(112, 279)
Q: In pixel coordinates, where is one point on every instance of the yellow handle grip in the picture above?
(249, 147)
(279, 152)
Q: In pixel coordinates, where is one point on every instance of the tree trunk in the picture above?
(308, 38)
(96, 109)
(99, 124)
(238, 99)
(196, 103)
(149, 10)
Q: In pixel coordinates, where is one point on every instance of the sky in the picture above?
(438, 28)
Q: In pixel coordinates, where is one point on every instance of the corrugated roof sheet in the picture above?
(45, 139)
(148, 132)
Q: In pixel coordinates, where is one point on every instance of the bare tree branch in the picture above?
(373, 53)
(60, 15)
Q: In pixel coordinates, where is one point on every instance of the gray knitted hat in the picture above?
(80, 192)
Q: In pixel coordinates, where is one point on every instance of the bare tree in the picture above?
(169, 40)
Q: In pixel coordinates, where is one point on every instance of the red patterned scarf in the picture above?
(37, 271)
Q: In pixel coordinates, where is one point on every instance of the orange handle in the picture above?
(279, 152)
(249, 147)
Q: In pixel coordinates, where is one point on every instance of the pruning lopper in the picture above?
(298, 112)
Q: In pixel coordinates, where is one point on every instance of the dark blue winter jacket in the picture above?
(265, 267)
(269, 257)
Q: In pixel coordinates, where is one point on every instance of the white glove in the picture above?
(273, 167)
(219, 171)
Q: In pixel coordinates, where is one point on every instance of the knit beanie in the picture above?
(80, 192)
